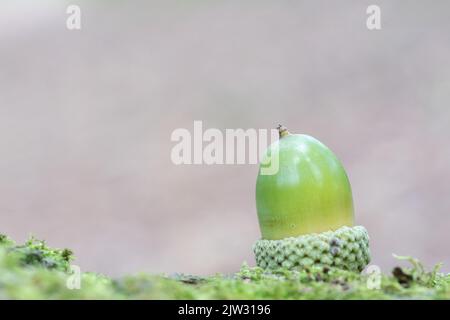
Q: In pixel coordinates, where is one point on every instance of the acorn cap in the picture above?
(346, 248)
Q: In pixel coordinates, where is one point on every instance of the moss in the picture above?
(35, 271)
(36, 253)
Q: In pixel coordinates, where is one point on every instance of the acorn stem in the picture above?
(282, 131)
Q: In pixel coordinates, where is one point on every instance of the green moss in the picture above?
(35, 271)
(36, 253)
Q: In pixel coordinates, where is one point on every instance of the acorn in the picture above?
(305, 209)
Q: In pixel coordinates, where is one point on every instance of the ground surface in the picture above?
(35, 271)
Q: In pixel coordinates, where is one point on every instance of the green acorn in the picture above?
(305, 209)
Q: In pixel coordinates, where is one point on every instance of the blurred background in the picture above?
(86, 118)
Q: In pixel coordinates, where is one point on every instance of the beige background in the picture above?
(86, 118)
